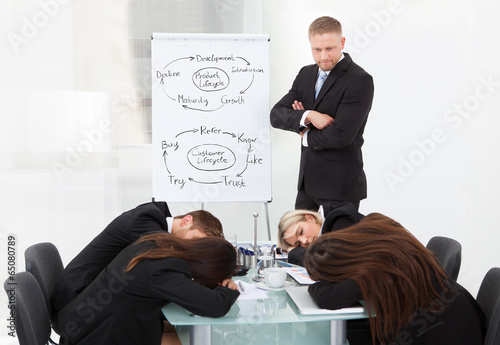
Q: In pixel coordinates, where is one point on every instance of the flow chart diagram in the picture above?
(211, 136)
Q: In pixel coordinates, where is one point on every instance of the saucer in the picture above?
(262, 285)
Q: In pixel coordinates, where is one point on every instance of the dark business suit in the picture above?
(460, 322)
(124, 308)
(331, 167)
(120, 233)
(339, 217)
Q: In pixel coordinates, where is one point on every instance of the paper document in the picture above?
(250, 291)
(300, 275)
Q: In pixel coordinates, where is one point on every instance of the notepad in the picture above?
(306, 305)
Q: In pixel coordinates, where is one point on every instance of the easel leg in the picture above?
(267, 220)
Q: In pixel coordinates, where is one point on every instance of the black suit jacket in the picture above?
(125, 307)
(336, 218)
(339, 217)
(460, 322)
(331, 167)
(120, 233)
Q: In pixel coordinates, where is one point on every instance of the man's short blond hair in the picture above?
(323, 25)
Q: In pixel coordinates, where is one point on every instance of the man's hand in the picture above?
(319, 120)
(298, 106)
(302, 132)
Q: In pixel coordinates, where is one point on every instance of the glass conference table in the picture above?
(274, 320)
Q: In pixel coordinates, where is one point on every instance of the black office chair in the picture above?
(488, 298)
(44, 262)
(32, 320)
(448, 252)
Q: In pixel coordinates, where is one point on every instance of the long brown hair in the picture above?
(211, 259)
(395, 272)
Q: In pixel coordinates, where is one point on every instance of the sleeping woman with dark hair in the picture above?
(412, 299)
(123, 304)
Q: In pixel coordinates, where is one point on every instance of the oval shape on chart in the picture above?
(210, 79)
(211, 157)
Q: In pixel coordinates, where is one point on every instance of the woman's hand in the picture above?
(230, 284)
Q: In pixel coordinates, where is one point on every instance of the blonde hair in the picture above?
(293, 217)
(323, 25)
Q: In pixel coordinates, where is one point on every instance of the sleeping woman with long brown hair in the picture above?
(123, 304)
(405, 289)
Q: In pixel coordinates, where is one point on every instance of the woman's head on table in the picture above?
(396, 274)
(211, 259)
(298, 228)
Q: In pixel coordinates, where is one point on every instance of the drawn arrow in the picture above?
(253, 77)
(165, 92)
(191, 130)
(186, 107)
(241, 173)
(191, 58)
(239, 57)
(165, 154)
(231, 134)
(193, 180)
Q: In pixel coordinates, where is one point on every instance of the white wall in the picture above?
(68, 98)
(430, 148)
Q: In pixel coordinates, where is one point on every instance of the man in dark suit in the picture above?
(330, 123)
(120, 233)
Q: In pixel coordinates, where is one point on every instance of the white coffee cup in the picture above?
(275, 277)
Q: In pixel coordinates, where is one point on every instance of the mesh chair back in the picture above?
(31, 315)
(44, 262)
(488, 299)
(448, 252)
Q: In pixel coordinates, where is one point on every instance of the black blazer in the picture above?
(125, 307)
(339, 216)
(331, 167)
(120, 233)
(460, 322)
